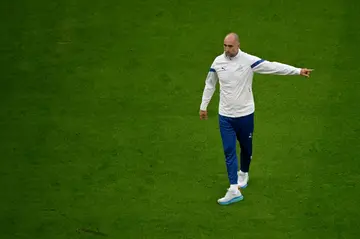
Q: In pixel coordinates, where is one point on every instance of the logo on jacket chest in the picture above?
(231, 68)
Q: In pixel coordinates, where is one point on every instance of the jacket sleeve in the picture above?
(209, 89)
(261, 66)
(276, 68)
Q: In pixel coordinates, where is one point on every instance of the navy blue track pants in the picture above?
(240, 129)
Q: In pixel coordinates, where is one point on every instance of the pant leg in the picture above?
(244, 134)
(228, 136)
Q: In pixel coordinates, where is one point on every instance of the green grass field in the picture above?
(100, 134)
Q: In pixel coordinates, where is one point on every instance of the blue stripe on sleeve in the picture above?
(212, 70)
(257, 63)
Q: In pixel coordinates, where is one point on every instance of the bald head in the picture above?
(231, 44)
(232, 37)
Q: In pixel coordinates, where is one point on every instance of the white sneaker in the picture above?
(243, 179)
(231, 197)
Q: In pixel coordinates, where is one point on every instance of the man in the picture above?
(234, 70)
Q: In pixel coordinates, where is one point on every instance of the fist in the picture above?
(203, 114)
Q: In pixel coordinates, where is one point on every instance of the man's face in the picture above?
(231, 47)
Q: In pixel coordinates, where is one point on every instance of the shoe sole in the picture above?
(237, 199)
(242, 187)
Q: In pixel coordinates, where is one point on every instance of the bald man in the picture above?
(234, 71)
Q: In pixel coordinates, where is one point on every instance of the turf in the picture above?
(99, 127)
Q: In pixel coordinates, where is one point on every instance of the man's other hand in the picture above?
(203, 114)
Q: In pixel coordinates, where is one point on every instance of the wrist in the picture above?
(203, 107)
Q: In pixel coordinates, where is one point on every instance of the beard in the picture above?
(229, 54)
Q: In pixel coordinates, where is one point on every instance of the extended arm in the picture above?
(276, 68)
